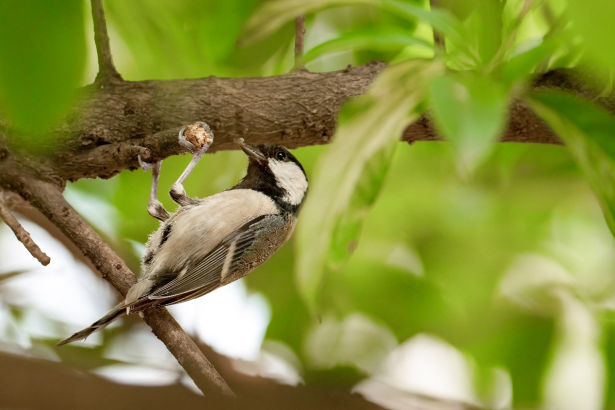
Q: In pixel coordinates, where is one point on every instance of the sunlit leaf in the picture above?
(371, 124)
(470, 111)
(366, 39)
(348, 228)
(588, 133)
(42, 60)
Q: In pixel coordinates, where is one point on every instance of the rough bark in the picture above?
(116, 121)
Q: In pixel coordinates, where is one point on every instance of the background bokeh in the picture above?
(471, 272)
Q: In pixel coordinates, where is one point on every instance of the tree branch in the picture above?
(299, 40)
(48, 199)
(22, 235)
(111, 126)
(106, 68)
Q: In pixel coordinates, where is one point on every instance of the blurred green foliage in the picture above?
(42, 61)
(488, 246)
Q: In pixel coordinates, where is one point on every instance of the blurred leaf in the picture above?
(42, 60)
(522, 65)
(489, 28)
(187, 38)
(356, 341)
(9, 275)
(366, 39)
(348, 228)
(272, 15)
(367, 126)
(593, 19)
(588, 132)
(609, 347)
(440, 20)
(460, 9)
(470, 110)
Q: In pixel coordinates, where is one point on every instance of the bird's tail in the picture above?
(113, 314)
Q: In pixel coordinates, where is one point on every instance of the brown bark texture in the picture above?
(115, 121)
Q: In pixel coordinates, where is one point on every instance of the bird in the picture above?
(208, 243)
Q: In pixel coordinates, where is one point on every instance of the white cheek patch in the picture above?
(290, 178)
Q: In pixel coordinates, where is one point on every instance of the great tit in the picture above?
(211, 242)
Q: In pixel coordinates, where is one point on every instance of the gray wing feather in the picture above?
(207, 273)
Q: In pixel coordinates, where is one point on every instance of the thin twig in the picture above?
(106, 69)
(299, 42)
(439, 43)
(22, 235)
(48, 199)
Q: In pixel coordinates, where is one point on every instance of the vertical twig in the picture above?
(439, 44)
(106, 69)
(49, 200)
(299, 42)
(22, 235)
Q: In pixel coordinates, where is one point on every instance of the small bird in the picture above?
(211, 242)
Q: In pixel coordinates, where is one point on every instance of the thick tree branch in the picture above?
(48, 199)
(22, 235)
(106, 68)
(111, 126)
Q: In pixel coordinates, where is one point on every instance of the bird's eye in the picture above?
(281, 155)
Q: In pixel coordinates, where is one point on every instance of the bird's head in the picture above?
(273, 170)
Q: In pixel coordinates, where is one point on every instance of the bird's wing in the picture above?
(220, 262)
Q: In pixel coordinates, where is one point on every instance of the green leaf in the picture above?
(588, 133)
(369, 125)
(271, 16)
(389, 39)
(470, 111)
(489, 28)
(348, 227)
(523, 64)
(593, 20)
(440, 20)
(42, 60)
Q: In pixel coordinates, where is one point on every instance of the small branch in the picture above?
(106, 69)
(187, 353)
(299, 42)
(22, 235)
(49, 200)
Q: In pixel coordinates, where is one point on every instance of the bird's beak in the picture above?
(251, 151)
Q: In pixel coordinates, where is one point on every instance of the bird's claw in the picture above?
(200, 137)
(146, 166)
(184, 142)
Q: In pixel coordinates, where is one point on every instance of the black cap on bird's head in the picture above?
(275, 171)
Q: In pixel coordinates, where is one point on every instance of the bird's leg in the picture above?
(154, 207)
(197, 138)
